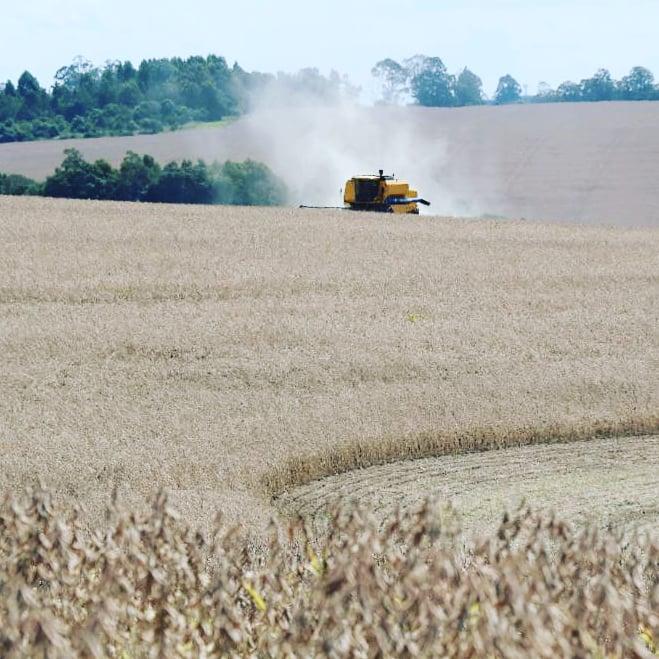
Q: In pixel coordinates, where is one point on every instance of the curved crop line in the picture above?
(359, 454)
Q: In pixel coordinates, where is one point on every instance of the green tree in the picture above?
(76, 178)
(16, 131)
(9, 90)
(638, 85)
(600, 87)
(248, 183)
(508, 91)
(174, 115)
(10, 103)
(415, 65)
(545, 94)
(147, 110)
(126, 72)
(393, 78)
(108, 87)
(34, 98)
(155, 75)
(76, 89)
(569, 92)
(17, 185)
(468, 89)
(45, 128)
(187, 183)
(129, 94)
(137, 174)
(431, 85)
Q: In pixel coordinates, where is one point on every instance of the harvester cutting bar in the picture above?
(396, 201)
(338, 208)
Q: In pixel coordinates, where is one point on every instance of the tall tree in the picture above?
(508, 91)
(638, 85)
(394, 78)
(136, 176)
(10, 103)
(76, 178)
(432, 85)
(600, 87)
(187, 183)
(76, 89)
(34, 98)
(8, 88)
(126, 71)
(569, 92)
(468, 88)
(545, 93)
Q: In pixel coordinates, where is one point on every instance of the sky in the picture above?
(533, 40)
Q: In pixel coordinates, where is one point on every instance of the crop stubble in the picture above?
(611, 483)
(231, 353)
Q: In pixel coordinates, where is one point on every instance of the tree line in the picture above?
(164, 94)
(426, 81)
(141, 178)
(157, 95)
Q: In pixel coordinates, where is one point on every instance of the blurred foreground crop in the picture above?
(151, 586)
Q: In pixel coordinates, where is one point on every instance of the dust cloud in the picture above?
(316, 149)
(592, 163)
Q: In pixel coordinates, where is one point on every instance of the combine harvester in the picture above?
(379, 194)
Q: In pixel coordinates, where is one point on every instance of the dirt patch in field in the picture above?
(608, 482)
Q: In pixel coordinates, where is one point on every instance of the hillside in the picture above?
(585, 162)
(229, 354)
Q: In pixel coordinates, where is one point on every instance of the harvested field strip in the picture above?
(303, 470)
(607, 482)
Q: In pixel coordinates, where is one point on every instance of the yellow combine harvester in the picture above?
(381, 194)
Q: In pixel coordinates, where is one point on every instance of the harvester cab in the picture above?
(381, 194)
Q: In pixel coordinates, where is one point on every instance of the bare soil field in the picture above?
(593, 163)
(231, 354)
(609, 483)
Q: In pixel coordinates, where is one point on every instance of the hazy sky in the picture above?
(534, 40)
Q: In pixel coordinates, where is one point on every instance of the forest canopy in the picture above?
(157, 95)
(141, 178)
